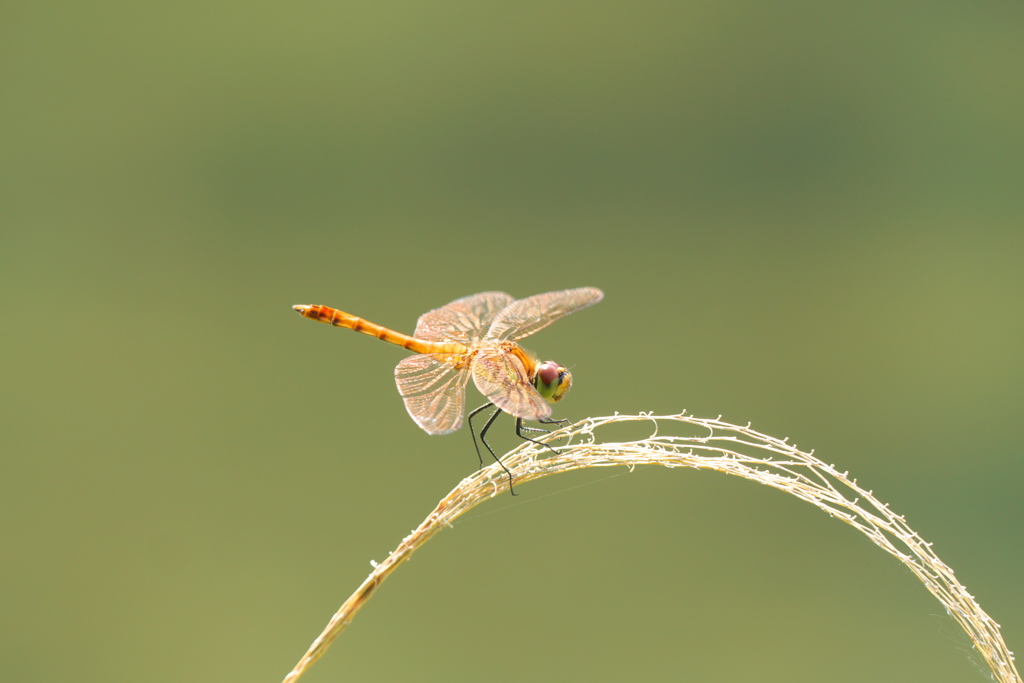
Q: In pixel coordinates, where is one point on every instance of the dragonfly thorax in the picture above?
(552, 381)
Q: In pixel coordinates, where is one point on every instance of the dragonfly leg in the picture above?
(544, 421)
(472, 431)
(483, 433)
(520, 429)
(535, 430)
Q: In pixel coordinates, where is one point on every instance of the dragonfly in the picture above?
(476, 336)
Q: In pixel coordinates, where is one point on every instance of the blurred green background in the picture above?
(804, 215)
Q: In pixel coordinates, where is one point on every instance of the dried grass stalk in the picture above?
(718, 446)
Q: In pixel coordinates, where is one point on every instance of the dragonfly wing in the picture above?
(501, 377)
(526, 316)
(434, 391)
(464, 320)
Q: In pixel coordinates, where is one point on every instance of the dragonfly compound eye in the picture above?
(552, 381)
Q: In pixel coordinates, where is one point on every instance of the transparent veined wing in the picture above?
(434, 391)
(464, 320)
(501, 377)
(524, 317)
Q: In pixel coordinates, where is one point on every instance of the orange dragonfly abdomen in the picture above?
(333, 316)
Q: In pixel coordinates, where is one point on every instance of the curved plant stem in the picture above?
(712, 445)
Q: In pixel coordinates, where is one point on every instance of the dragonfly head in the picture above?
(552, 381)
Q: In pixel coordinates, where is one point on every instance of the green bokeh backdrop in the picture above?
(804, 215)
